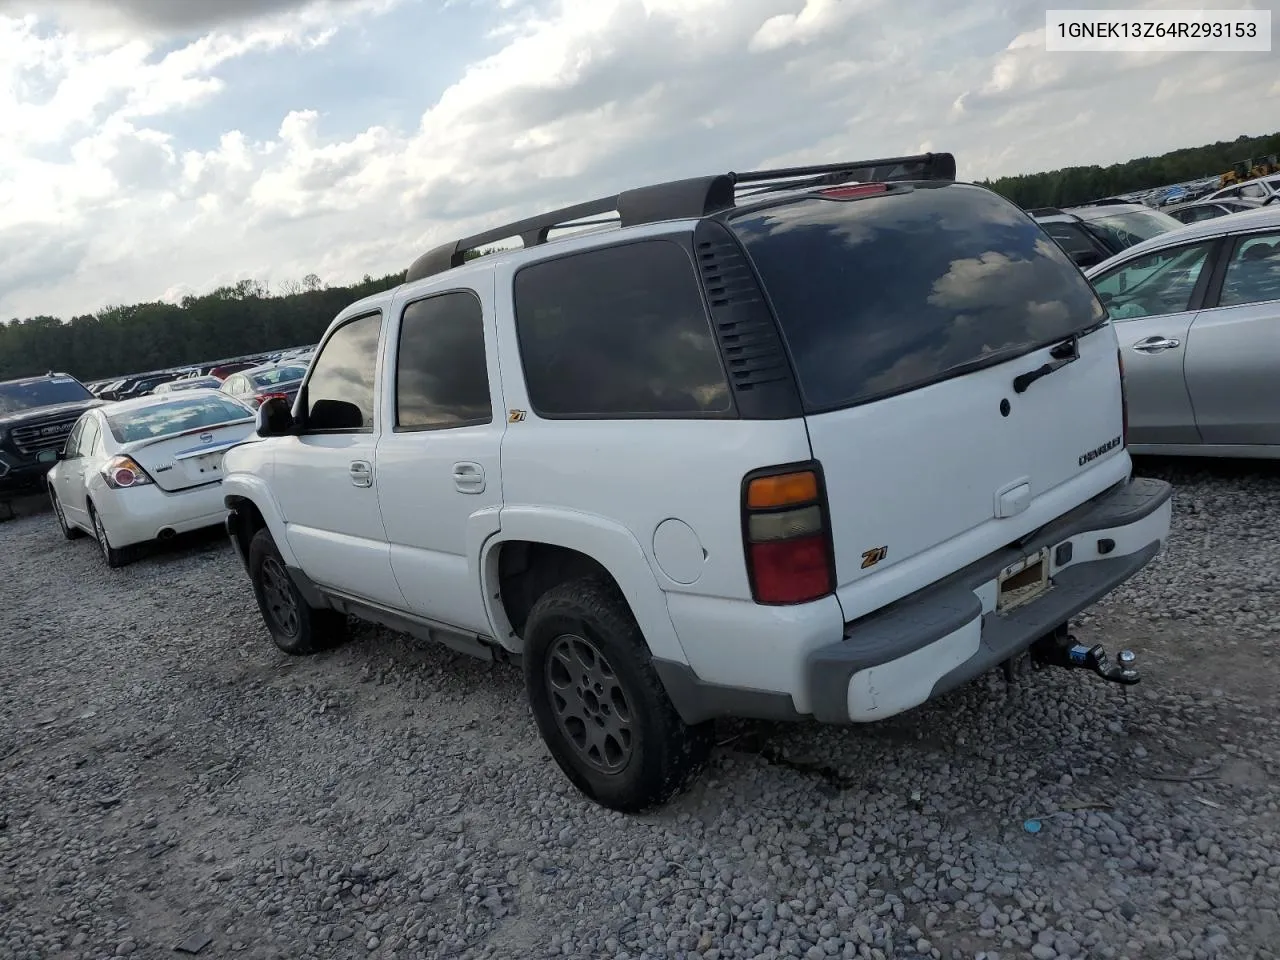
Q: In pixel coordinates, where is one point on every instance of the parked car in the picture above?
(1259, 190)
(143, 386)
(278, 380)
(1091, 234)
(820, 451)
(1208, 209)
(146, 469)
(1197, 313)
(36, 415)
(188, 383)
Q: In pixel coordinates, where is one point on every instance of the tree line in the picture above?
(1077, 185)
(248, 318)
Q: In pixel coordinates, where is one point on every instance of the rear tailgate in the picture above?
(908, 316)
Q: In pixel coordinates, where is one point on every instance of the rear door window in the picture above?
(619, 332)
(1253, 273)
(889, 293)
(442, 379)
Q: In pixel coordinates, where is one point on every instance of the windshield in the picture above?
(1121, 230)
(31, 394)
(278, 375)
(890, 293)
(173, 416)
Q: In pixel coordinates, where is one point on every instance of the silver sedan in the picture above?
(1197, 312)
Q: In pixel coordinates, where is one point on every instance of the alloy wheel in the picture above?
(591, 708)
(277, 591)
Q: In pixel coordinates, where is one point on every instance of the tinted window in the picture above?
(887, 293)
(620, 331)
(1253, 275)
(1072, 238)
(441, 378)
(29, 394)
(1155, 284)
(1122, 230)
(343, 374)
(174, 415)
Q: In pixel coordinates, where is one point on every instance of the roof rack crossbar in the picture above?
(683, 199)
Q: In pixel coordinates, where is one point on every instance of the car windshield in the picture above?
(173, 416)
(1121, 230)
(278, 375)
(29, 394)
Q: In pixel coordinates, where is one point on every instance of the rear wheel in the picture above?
(296, 627)
(599, 704)
(114, 556)
(68, 531)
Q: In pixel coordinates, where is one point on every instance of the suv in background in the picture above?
(823, 442)
(1093, 233)
(36, 414)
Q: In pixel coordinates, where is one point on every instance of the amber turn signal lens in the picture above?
(782, 490)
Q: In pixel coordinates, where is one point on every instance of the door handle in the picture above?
(1156, 344)
(361, 472)
(468, 477)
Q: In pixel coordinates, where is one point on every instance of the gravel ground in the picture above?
(164, 774)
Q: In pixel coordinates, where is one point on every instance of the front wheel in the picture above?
(68, 531)
(296, 628)
(599, 704)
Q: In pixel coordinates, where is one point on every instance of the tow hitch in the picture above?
(1060, 649)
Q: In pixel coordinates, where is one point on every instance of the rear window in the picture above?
(890, 293)
(1123, 230)
(173, 416)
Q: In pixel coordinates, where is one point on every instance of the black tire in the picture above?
(297, 628)
(115, 557)
(640, 753)
(68, 531)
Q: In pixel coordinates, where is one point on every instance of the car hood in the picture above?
(50, 412)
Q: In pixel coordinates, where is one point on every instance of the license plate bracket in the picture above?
(1024, 581)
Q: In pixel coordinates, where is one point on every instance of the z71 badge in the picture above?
(873, 556)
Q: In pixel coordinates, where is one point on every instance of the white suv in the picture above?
(823, 442)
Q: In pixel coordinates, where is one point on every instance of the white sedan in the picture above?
(146, 469)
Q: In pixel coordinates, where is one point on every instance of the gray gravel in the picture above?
(165, 773)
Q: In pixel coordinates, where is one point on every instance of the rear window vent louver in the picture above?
(749, 343)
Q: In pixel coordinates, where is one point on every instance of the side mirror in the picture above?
(335, 415)
(275, 419)
(49, 456)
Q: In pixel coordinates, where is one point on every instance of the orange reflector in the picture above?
(782, 490)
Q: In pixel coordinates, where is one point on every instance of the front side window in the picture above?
(1253, 275)
(340, 393)
(441, 377)
(1153, 285)
(618, 332)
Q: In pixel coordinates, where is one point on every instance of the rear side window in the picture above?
(340, 393)
(890, 293)
(441, 377)
(618, 332)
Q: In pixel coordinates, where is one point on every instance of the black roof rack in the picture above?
(685, 199)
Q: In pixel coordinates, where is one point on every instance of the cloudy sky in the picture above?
(153, 148)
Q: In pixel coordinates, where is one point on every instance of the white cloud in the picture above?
(102, 198)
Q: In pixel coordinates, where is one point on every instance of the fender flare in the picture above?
(610, 544)
(257, 492)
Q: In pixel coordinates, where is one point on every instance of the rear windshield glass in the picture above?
(30, 394)
(278, 375)
(889, 293)
(1121, 230)
(173, 416)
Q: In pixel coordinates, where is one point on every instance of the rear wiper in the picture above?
(1062, 353)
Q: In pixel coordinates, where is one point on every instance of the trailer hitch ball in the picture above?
(1060, 649)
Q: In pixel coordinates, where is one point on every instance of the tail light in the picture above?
(1124, 401)
(785, 534)
(122, 472)
(853, 191)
